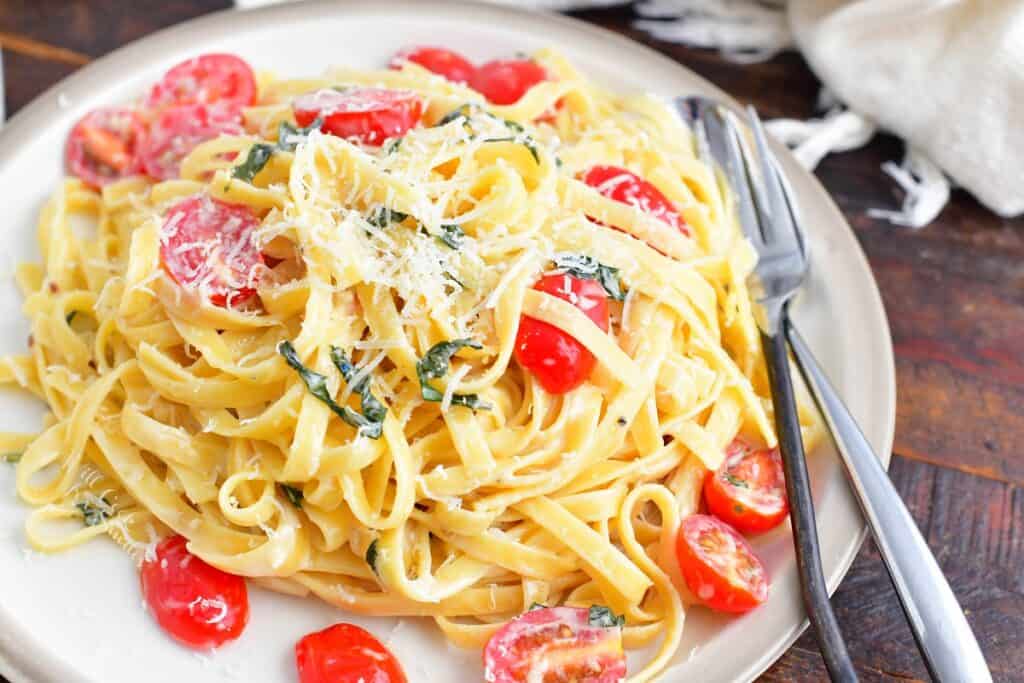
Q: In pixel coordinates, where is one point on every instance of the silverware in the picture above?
(943, 635)
(767, 220)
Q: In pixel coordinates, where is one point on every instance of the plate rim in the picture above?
(21, 662)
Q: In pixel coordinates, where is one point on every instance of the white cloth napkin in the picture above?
(945, 75)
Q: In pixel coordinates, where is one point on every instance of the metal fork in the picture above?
(782, 264)
(770, 219)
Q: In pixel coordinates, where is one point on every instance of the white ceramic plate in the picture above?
(79, 617)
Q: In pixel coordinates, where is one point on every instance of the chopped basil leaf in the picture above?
(590, 268)
(382, 217)
(736, 481)
(466, 111)
(450, 276)
(95, 514)
(602, 616)
(373, 410)
(258, 156)
(371, 555)
(434, 365)
(393, 146)
(293, 495)
(289, 137)
(536, 605)
(462, 112)
(11, 457)
(471, 401)
(317, 385)
(452, 236)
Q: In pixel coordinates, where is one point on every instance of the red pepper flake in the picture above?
(53, 287)
(31, 341)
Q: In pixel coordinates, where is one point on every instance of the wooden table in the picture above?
(954, 293)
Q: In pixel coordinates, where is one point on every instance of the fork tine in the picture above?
(719, 127)
(779, 224)
(747, 193)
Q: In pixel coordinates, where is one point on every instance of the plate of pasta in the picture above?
(400, 342)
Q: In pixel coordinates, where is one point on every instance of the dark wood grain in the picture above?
(954, 294)
(95, 27)
(974, 526)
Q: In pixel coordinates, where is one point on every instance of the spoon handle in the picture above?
(943, 635)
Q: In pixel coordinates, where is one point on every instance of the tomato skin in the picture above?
(179, 130)
(367, 115)
(198, 605)
(505, 81)
(221, 80)
(101, 147)
(748, 491)
(718, 565)
(212, 229)
(557, 360)
(588, 654)
(627, 187)
(345, 653)
(439, 60)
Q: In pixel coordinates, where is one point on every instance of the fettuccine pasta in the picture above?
(350, 417)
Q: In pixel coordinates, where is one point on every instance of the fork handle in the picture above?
(943, 635)
(801, 511)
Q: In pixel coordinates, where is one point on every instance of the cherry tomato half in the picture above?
(505, 81)
(447, 63)
(196, 604)
(718, 565)
(220, 80)
(558, 361)
(748, 491)
(102, 146)
(176, 132)
(556, 644)
(629, 188)
(367, 115)
(345, 653)
(208, 245)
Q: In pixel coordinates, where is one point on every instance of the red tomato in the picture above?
(176, 132)
(555, 645)
(749, 490)
(216, 79)
(101, 147)
(718, 565)
(626, 187)
(558, 361)
(208, 245)
(345, 653)
(447, 63)
(504, 81)
(367, 115)
(198, 605)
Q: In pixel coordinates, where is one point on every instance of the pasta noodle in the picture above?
(169, 413)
